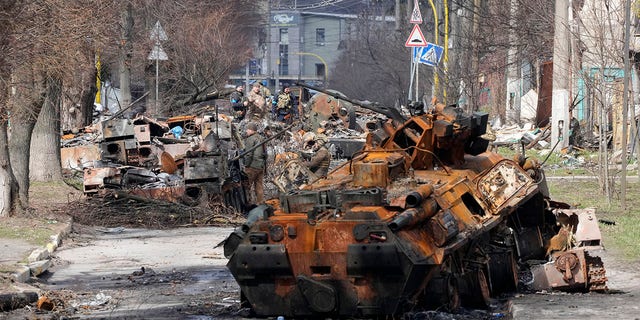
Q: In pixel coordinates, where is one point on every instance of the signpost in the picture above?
(157, 54)
(423, 51)
(416, 39)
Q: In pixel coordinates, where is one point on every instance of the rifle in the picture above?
(242, 154)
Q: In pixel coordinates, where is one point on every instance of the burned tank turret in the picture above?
(422, 216)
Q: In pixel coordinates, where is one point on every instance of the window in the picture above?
(320, 70)
(319, 36)
(284, 60)
(284, 36)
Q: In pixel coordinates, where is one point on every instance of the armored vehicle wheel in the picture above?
(453, 295)
(503, 272)
(476, 292)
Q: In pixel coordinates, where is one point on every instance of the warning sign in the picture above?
(416, 16)
(416, 38)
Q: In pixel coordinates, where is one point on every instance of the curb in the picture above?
(40, 259)
(39, 262)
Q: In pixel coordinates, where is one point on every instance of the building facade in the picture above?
(301, 41)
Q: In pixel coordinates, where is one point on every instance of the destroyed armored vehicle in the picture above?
(422, 217)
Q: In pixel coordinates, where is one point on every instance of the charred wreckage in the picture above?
(422, 215)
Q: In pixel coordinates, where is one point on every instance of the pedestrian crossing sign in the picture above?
(430, 54)
(416, 38)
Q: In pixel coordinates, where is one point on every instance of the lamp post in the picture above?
(326, 70)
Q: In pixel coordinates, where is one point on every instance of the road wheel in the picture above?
(453, 295)
(503, 272)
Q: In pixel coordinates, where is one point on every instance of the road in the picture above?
(97, 273)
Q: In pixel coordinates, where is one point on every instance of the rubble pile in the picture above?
(193, 162)
(187, 164)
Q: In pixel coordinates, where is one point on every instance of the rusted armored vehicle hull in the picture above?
(423, 216)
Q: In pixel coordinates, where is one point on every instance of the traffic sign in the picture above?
(416, 38)
(158, 34)
(429, 54)
(416, 16)
(158, 53)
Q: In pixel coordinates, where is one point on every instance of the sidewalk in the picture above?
(26, 245)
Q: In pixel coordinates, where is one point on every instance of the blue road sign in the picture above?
(429, 55)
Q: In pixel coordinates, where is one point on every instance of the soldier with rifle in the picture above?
(255, 162)
(321, 159)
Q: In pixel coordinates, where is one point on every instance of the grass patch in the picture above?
(33, 235)
(621, 237)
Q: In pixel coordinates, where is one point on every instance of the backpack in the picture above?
(284, 101)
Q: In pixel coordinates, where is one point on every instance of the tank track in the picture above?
(597, 278)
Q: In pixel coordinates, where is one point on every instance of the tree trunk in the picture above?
(26, 103)
(8, 198)
(126, 54)
(87, 102)
(19, 148)
(45, 161)
(76, 109)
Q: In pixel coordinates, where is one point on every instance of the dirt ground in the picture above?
(209, 292)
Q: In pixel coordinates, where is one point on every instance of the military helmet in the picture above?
(321, 139)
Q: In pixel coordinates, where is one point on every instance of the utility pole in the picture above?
(625, 101)
(269, 71)
(513, 68)
(126, 49)
(560, 100)
(475, 26)
(397, 14)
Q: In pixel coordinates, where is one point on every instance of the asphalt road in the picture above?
(97, 273)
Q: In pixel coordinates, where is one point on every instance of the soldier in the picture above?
(254, 162)
(284, 106)
(238, 103)
(321, 159)
(266, 93)
(257, 103)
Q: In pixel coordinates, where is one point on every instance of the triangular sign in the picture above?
(158, 34)
(416, 38)
(157, 53)
(416, 16)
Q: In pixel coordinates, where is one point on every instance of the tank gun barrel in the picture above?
(392, 113)
(242, 154)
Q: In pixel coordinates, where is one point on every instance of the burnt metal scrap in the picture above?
(422, 216)
(184, 159)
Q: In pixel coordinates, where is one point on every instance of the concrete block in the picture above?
(39, 254)
(51, 247)
(56, 239)
(22, 274)
(38, 267)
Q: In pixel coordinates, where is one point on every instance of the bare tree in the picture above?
(601, 47)
(41, 37)
(8, 198)
(207, 40)
(376, 64)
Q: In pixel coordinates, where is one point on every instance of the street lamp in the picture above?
(326, 70)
